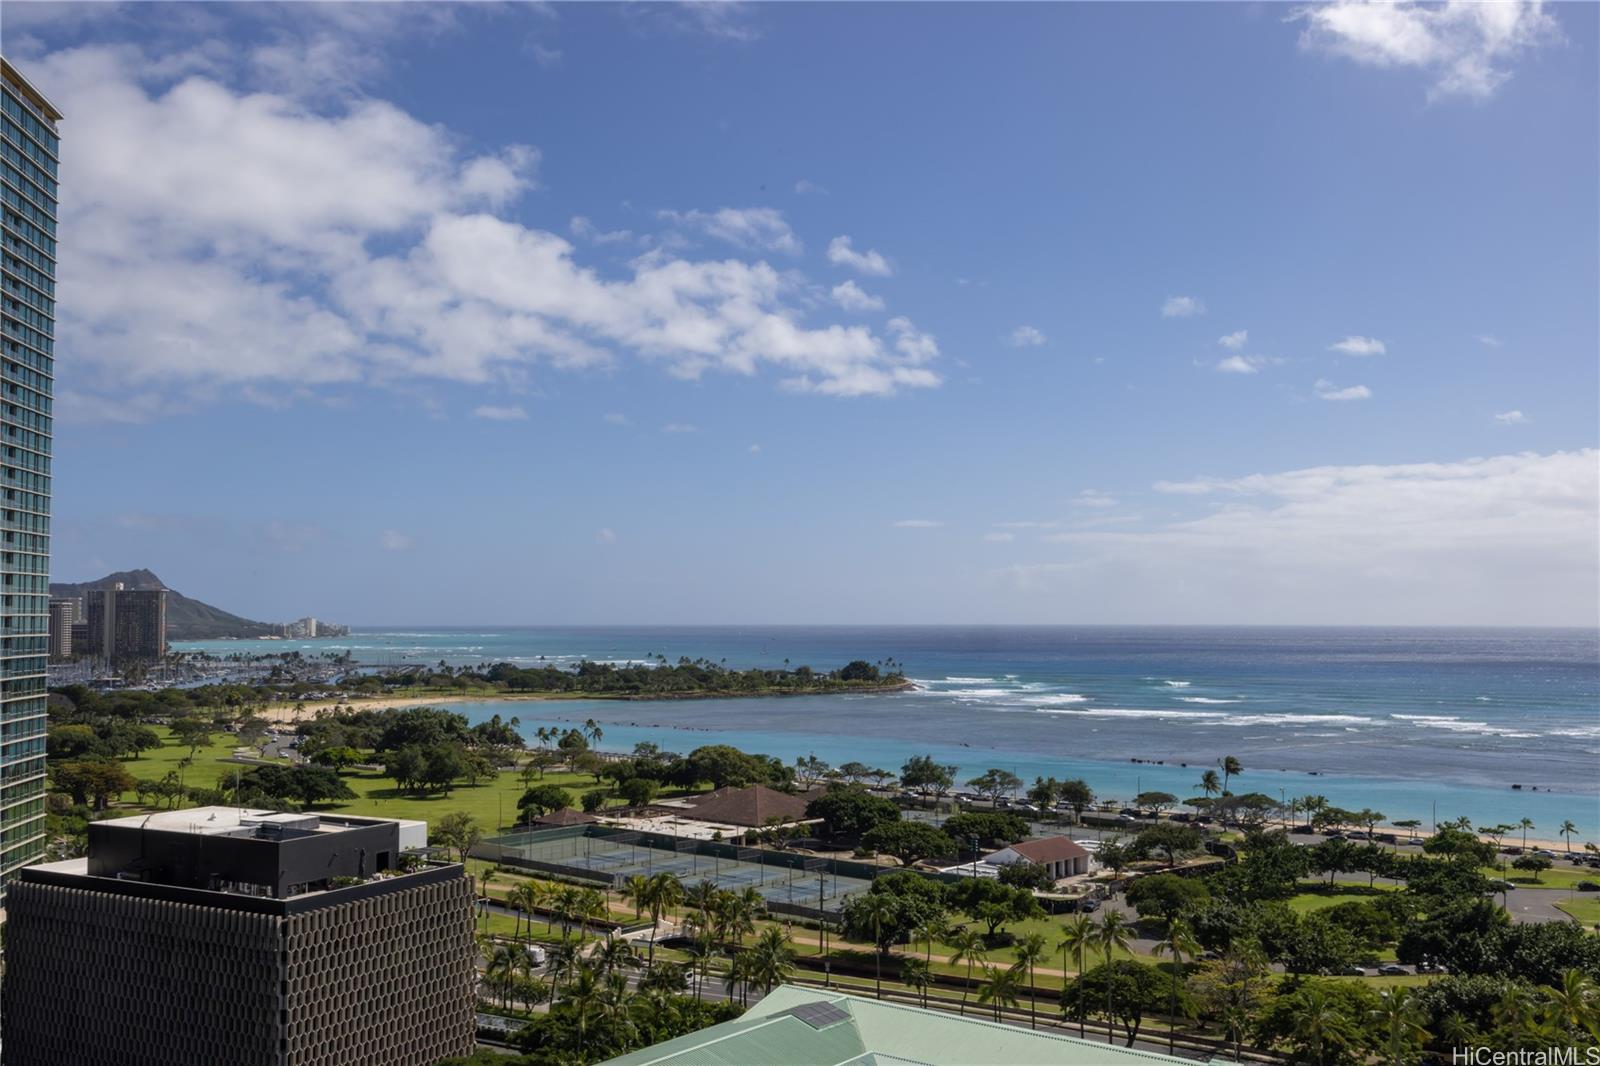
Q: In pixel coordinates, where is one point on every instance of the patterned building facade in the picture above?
(118, 960)
(28, 170)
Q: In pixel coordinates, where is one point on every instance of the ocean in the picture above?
(1417, 723)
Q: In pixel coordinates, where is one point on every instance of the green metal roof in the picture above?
(875, 1033)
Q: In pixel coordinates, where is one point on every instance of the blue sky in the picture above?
(826, 313)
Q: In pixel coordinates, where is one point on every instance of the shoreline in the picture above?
(290, 713)
(1502, 800)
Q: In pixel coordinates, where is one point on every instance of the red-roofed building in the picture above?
(1061, 856)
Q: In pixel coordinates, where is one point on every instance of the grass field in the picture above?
(1555, 877)
(1584, 909)
(1322, 896)
(493, 803)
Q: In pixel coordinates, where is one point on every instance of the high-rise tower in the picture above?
(28, 170)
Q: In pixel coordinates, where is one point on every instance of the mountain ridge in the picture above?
(187, 618)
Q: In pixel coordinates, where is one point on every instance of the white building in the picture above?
(1060, 856)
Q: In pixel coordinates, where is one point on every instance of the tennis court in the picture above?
(794, 880)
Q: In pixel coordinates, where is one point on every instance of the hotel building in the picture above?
(28, 153)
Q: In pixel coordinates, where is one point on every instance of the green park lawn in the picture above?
(492, 803)
(1316, 897)
(1566, 877)
(1585, 909)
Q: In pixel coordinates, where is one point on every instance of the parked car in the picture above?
(1510, 849)
(1131, 812)
(1501, 886)
(1589, 886)
(1545, 853)
(1386, 838)
(1350, 971)
(1088, 906)
(1391, 969)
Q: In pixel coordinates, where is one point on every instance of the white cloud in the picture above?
(1466, 47)
(917, 523)
(1359, 346)
(999, 538)
(217, 239)
(604, 536)
(1488, 340)
(395, 541)
(1245, 364)
(1501, 540)
(1182, 307)
(1327, 390)
(841, 253)
(584, 229)
(510, 413)
(1235, 340)
(1027, 525)
(680, 427)
(851, 297)
(759, 228)
(1093, 498)
(615, 418)
(754, 449)
(1026, 337)
(809, 188)
(1511, 418)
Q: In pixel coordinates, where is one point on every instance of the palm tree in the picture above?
(1030, 950)
(666, 892)
(702, 898)
(1210, 783)
(499, 971)
(741, 972)
(1078, 935)
(774, 957)
(1576, 1002)
(560, 902)
(587, 906)
(917, 974)
(970, 949)
(1114, 931)
(636, 889)
(1178, 942)
(1231, 767)
(1321, 1026)
(877, 908)
(934, 928)
(1525, 824)
(585, 994)
(1001, 989)
(1567, 829)
(614, 955)
(1400, 1021)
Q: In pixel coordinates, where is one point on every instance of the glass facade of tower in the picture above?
(28, 170)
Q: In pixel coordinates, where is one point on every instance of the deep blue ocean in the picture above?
(1411, 722)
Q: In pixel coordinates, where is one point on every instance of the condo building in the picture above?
(63, 615)
(124, 625)
(219, 935)
(28, 170)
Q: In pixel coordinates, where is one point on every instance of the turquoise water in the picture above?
(1398, 720)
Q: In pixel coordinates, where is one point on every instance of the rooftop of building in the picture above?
(1048, 849)
(754, 806)
(24, 88)
(249, 822)
(796, 1026)
(214, 854)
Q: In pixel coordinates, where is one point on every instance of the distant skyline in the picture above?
(788, 313)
